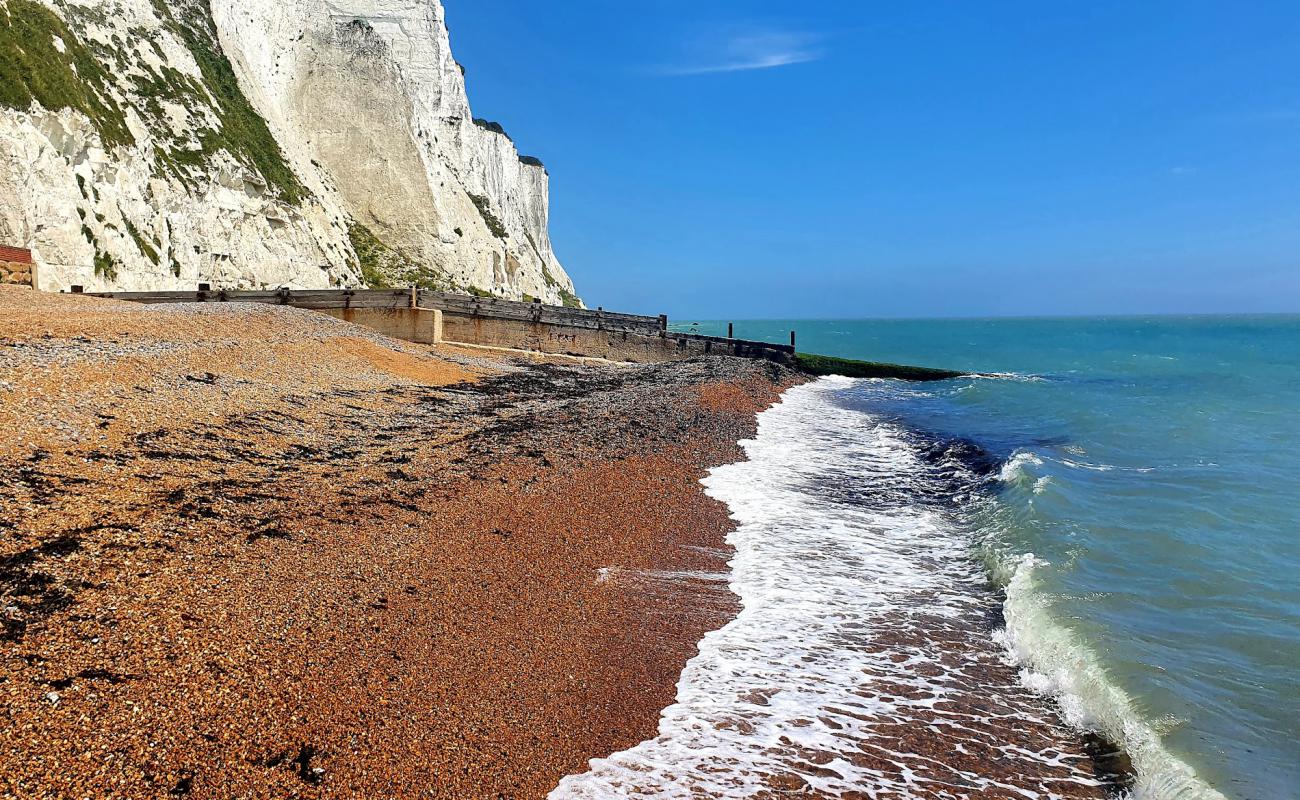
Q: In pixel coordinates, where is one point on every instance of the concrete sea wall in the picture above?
(493, 322)
(420, 325)
(430, 317)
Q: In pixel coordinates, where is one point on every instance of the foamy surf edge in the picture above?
(818, 573)
(1054, 663)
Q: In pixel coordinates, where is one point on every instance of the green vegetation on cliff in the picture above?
(242, 131)
(492, 127)
(829, 365)
(383, 267)
(42, 61)
(146, 248)
(568, 298)
(105, 266)
(494, 224)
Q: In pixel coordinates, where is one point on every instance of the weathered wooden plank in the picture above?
(595, 321)
(489, 312)
(546, 315)
(719, 342)
(318, 300)
(461, 307)
(308, 299)
(447, 300)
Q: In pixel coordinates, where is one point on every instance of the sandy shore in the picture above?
(256, 552)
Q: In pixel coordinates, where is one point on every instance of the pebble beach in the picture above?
(258, 552)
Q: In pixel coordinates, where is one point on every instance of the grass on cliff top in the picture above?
(492, 127)
(33, 69)
(812, 364)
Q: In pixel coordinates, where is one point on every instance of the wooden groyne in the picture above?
(429, 317)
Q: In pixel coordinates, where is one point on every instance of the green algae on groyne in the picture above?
(812, 364)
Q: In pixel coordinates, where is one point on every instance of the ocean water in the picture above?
(944, 584)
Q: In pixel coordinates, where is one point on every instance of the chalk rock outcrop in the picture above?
(259, 143)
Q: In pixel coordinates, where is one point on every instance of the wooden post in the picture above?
(663, 322)
(415, 297)
(731, 330)
(792, 338)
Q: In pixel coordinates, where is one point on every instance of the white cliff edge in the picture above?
(263, 143)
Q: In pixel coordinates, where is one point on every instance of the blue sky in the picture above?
(853, 159)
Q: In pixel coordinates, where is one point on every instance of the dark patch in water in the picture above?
(958, 467)
(966, 452)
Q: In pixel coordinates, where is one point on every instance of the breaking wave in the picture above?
(1056, 664)
(863, 662)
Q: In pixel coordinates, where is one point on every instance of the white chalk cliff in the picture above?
(259, 143)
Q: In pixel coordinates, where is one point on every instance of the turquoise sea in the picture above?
(1144, 520)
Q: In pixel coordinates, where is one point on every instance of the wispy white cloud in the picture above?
(747, 50)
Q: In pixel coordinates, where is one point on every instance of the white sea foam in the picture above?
(1008, 376)
(1055, 663)
(1090, 467)
(1014, 469)
(852, 666)
(1103, 467)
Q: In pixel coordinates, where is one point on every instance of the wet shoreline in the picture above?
(259, 552)
(865, 662)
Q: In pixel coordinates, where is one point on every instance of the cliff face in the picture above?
(154, 144)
